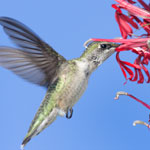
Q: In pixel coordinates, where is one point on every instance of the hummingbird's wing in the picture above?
(35, 61)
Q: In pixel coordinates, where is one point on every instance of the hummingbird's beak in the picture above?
(115, 45)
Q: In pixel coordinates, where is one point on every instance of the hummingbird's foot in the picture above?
(69, 113)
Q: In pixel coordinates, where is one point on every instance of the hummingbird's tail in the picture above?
(46, 114)
(46, 122)
(25, 141)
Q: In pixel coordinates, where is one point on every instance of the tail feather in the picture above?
(46, 122)
(25, 141)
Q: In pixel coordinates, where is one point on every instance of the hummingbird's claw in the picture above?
(69, 113)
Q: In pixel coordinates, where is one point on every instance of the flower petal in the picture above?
(141, 77)
(144, 5)
(146, 72)
(120, 64)
(124, 27)
(144, 25)
(136, 11)
(135, 75)
(131, 1)
(129, 20)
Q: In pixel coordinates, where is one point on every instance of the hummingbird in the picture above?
(36, 61)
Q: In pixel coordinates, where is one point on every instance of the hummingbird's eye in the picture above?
(105, 46)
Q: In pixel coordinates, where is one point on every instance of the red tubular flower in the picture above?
(138, 45)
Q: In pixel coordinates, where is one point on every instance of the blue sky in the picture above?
(98, 122)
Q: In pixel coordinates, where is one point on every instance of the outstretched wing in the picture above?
(35, 61)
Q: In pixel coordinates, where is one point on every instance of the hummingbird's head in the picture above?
(97, 52)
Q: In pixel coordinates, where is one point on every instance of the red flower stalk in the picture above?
(133, 97)
(136, 99)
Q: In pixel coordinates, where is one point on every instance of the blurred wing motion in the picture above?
(35, 61)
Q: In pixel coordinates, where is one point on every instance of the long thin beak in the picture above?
(115, 44)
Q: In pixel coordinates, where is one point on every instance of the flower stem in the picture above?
(125, 93)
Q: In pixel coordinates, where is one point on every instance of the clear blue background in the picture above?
(99, 122)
